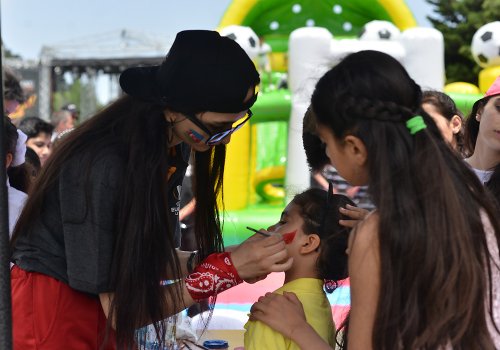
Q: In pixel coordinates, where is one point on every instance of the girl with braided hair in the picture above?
(434, 229)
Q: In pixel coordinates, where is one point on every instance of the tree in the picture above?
(458, 20)
(66, 92)
(10, 54)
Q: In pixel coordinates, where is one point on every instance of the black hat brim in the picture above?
(139, 82)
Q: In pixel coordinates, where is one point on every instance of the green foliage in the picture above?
(458, 20)
(69, 94)
(10, 54)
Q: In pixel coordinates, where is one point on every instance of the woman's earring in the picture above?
(478, 117)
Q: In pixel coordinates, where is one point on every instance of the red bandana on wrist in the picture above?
(214, 275)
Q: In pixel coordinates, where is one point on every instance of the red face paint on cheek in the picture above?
(288, 237)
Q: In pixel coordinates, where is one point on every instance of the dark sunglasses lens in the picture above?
(218, 137)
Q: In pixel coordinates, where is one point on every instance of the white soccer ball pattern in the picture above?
(244, 36)
(379, 30)
(485, 45)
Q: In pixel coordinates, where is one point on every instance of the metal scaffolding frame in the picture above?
(106, 53)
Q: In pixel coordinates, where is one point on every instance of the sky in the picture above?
(27, 25)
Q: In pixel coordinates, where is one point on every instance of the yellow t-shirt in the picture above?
(259, 336)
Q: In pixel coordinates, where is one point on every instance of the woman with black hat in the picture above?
(99, 233)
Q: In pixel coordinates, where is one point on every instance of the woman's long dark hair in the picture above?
(431, 235)
(144, 251)
(471, 133)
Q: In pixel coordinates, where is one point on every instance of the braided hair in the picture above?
(430, 232)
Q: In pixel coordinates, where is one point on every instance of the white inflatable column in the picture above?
(308, 52)
(424, 59)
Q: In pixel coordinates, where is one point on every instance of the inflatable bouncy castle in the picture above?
(293, 43)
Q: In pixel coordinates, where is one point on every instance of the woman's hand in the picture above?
(354, 213)
(258, 256)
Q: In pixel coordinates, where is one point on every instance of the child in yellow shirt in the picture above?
(317, 242)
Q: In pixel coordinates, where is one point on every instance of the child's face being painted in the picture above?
(290, 224)
(299, 245)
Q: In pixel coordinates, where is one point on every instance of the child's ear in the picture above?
(456, 124)
(8, 160)
(356, 149)
(310, 244)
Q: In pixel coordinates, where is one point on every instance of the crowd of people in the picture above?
(406, 205)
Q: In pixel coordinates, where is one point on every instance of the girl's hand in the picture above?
(283, 313)
(258, 256)
(354, 213)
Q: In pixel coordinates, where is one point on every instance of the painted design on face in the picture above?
(288, 237)
(196, 137)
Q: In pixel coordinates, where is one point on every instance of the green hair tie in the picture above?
(415, 124)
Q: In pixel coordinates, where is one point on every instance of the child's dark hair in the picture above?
(313, 147)
(12, 86)
(32, 126)
(17, 175)
(9, 136)
(320, 212)
(448, 109)
(22, 177)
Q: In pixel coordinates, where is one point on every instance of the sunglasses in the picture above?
(215, 138)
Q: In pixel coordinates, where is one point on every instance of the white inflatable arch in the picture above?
(313, 51)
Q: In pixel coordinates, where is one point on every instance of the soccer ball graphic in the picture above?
(485, 45)
(244, 36)
(379, 30)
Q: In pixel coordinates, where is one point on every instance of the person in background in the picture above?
(434, 227)
(14, 159)
(75, 113)
(39, 135)
(23, 176)
(358, 194)
(448, 118)
(61, 121)
(99, 234)
(482, 139)
(13, 94)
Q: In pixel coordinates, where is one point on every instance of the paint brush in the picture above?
(257, 231)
